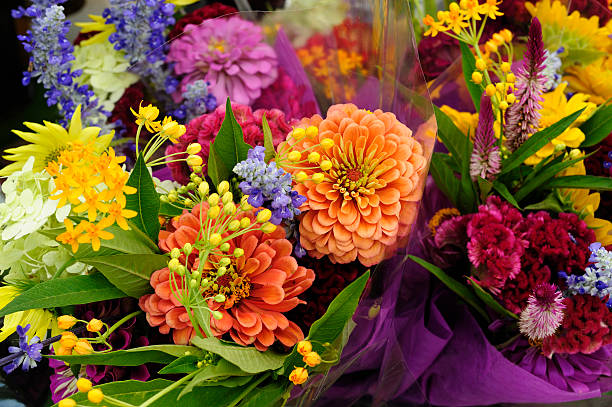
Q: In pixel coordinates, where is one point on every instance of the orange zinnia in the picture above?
(259, 287)
(368, 198)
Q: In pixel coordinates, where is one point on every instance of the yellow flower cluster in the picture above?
(460, 17)
(299, 375)
(95, 185)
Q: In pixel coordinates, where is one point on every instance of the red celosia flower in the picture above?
(515, 292)
(259, 287)
(131, 98)
(204, 129)
(585, 328)
(197, 16)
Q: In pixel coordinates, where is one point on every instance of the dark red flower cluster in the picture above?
(285, 95)
(196, 17)
(436, 54)
(330, 280)
(585, 328)
(590, 8)
(568, 251)
(131, 98)
(204, 129)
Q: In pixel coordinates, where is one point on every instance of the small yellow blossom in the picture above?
(66, 321)
(95, 325)
(94, 232)
(83, 347)
(304, 347)
(299, 375)
(95, 396)
(490, 9)
(312, 359)
(84, 385)
(146, 116)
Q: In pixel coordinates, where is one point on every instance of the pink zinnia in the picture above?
(544, 312)
(230, 54)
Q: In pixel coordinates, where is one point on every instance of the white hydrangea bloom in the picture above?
(27, 206)
(105, 70)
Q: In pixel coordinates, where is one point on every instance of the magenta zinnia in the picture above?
(544, 312)
(485, 162)
(523, 117)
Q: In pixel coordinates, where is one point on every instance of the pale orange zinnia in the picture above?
(368, 199)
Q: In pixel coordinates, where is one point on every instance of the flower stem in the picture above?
(116, 402)
(119, 323)
(169, 389)
(63, 267)
(248, 390)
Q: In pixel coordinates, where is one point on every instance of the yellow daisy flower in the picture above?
(41, 320)
(594, 79)
(49, 140)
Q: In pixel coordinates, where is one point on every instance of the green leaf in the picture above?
(64, 291)
(490, 301)
(485, 187)
(268, 141)
(537, 141)
(581, 181)
(267, 396)
(167, 209)
(468, 63)
(132, 357)
(550, 203)
(467, 195)
(544, 175)
(136, 392)
(445, 178)
(145, 201)
(184, 364)
(246, 358)
(461, 290)
(129, 272)
(503, 191)
(598, 127)
(217, 171)
(331, 325)
(229, 143)
(215, 373)
(452, 137)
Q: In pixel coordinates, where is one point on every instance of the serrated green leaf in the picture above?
(268, 141)
(248, 359)
(145, 201)
(581, 181)
(64, 291)
(461, 290)
(221, 371)
(133, 357)
(490, 301)
(597, 127)
(129, 272)
(331, 325)
(229, 144)
(454, 140)
(184, 364)
(137, 392)
(537, 141)
(468, 64)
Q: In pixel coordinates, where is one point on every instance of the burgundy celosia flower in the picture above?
(515, 293)
(204, 129)
(131, 98)
(485, 161)
(523, 116)
(590, 8)
(196, 17)
(496, 242)
(543, 314)
(585, 328)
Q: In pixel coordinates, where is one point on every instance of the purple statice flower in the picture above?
(544, 312)
(140, 27)
(50, 62)
(196, 101)
(485, 161)
(268, 186)
(230, 53)
(523, 117)
(29, 349)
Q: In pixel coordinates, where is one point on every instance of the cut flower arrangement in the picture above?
(525, 242)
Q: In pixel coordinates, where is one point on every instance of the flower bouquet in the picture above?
(232, 276)
(518, 235)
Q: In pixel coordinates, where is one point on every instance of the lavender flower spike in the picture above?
(485, 161)
(523, 117)
(543, 314)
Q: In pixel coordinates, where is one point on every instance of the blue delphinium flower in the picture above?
(268, 186)
(30, 350)
(50, 62)
(597, 278)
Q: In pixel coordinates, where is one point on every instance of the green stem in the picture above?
(119, 323)
(63, 267)
(169, 389)
(248, 390)
(137, 138)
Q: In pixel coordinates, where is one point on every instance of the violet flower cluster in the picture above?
(597, 277)
(50, 62)
(31, 351)
(196, 101)
(268, 186)
(523, 117)
(485, 161)
(140, 34)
